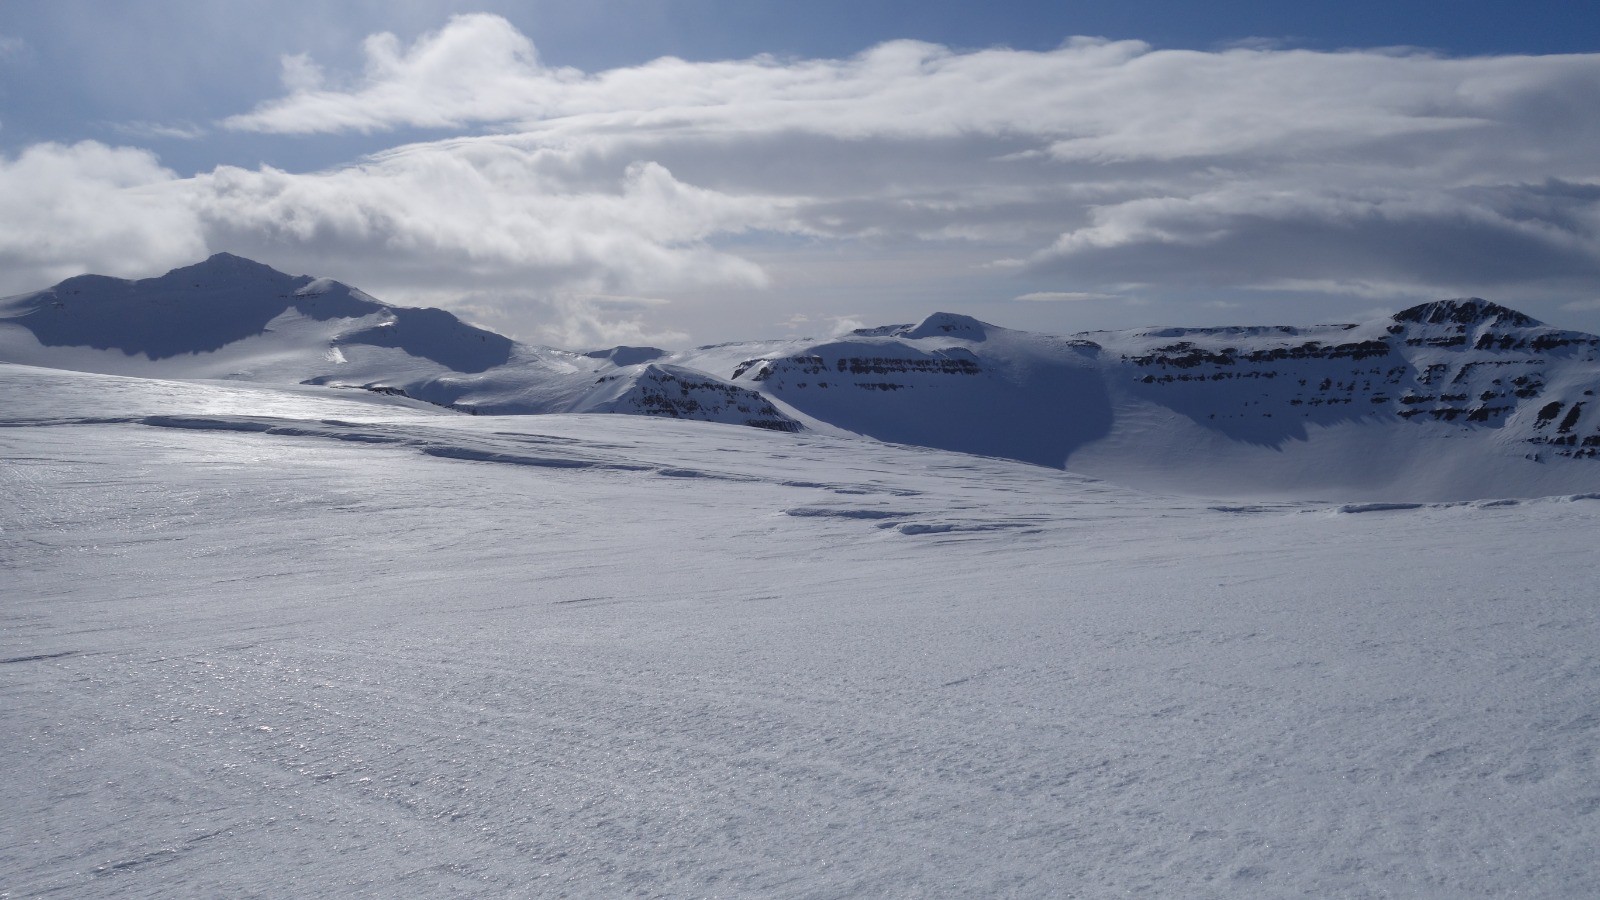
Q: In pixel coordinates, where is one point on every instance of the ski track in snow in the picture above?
(263, 642)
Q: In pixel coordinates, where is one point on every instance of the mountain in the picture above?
(232, 318)
(1449, 400)
(1445, 400)
(269, 638)
(193, 314)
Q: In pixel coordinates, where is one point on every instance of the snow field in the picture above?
(276, 643)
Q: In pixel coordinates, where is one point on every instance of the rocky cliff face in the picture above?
(1448, 391)
(676, 393)
(1469, 362)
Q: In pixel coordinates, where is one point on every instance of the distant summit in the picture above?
(1466, 311)
(228, 266)
(227, 300)
(193, 309)
(943, 324)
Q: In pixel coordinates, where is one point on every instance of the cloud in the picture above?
(572, 320)
(158, 131)
(416, 224)
(570, 256)
(1115, 160)
(841, 325)
(1090, 99)
(476, 68)
(12, 47)
(65, 210)
(493, 210)
(864, 186)
(485, 208)
(1239, 234)
(1063, 297)
(300, 74)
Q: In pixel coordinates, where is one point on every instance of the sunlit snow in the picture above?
(972, 612)
(270, 641)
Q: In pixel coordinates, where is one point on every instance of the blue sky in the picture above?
(805, 167)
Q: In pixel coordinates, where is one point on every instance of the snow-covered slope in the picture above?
(1458, 399)
(1449, 400)
(951, 382)
(231, 318)
(285, 641)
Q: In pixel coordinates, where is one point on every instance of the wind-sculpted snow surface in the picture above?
(287, 641)
(1459, 399)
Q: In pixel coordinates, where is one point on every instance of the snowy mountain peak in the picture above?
(943, 324)
(194, 309)
(1470, 311)
(221, 271)
(228, 301)
(229, 262)
(224, 270)
(1481, 325)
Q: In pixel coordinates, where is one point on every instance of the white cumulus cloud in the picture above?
(67, 209)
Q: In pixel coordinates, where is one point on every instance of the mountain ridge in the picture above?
(1463, 386)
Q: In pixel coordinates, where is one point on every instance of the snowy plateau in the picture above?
(301, 598)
